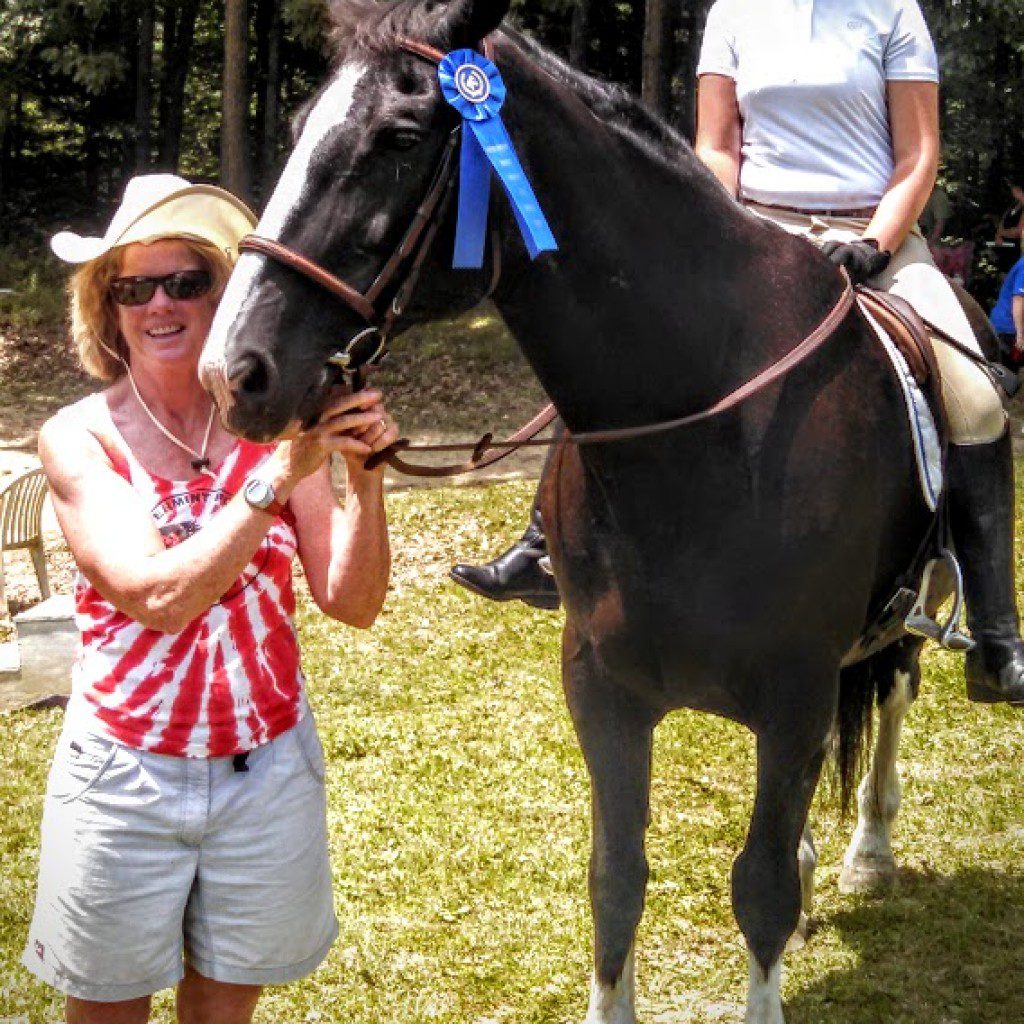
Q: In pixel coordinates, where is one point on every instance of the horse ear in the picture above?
(467, 22)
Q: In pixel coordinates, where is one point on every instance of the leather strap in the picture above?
(486, 451)
(268, 247)
(858, 213)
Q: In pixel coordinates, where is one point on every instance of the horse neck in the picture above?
(628, 322)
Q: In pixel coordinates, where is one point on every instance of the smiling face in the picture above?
(164, 331)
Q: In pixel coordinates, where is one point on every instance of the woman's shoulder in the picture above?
(80, 429)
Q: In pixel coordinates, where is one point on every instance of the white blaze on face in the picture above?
(329, 113)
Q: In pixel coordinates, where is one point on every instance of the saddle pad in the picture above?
(927, 449)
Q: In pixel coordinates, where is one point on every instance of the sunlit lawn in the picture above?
(458, 815)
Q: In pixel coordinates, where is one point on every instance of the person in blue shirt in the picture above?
(1007, 316)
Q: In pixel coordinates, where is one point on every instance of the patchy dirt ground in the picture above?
(451, 381)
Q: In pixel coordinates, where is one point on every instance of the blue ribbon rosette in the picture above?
(473, 86)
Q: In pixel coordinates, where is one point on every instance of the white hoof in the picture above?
(804, 930)
(868, 874)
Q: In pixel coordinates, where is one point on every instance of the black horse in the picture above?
(727, 567)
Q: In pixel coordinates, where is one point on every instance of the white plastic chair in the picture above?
(21, 516)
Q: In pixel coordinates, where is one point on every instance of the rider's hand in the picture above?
(355, 426)
(862, 258)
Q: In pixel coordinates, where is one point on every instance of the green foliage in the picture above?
(981, 49)
(31, 288)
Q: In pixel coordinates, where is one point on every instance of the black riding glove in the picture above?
(862, 258)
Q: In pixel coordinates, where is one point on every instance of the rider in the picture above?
(785, 86)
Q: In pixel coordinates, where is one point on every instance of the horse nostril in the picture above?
(250, 375)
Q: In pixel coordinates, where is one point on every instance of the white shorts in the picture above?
(148, 860)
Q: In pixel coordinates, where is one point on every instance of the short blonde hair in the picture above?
(94, 322)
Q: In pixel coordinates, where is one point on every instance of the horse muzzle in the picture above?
(248, 396)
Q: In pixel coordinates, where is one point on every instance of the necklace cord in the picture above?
(200, 462)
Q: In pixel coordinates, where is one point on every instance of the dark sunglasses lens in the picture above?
(187, 284)
(182, 286)
(132, 291)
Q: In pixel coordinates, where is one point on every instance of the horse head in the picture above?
(372, 149)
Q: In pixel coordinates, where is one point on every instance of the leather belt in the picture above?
(859, 213)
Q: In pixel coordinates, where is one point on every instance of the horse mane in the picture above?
(614, 105)
(374, 28)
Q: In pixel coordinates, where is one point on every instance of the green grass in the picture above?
(459, 823)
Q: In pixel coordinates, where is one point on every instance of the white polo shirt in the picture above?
(810, 80)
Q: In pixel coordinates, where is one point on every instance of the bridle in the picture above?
(369, 346)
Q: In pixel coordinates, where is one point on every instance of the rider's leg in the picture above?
(519, 573)
(980, 484)
(981, 515)
(522, 573)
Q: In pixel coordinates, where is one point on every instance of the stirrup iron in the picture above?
(919, 622)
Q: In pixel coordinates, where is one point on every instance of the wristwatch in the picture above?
(260, 495)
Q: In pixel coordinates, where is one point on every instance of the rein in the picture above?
(369, 346)
(486, 451)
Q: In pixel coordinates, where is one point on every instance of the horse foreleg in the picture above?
(766, 882)
(869, 863)
(615, 734)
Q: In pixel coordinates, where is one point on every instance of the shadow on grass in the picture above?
(939, 949)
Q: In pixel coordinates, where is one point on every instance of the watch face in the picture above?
(259, 493)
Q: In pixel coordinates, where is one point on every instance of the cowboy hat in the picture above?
(159, 206)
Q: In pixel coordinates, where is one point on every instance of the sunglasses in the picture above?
(182, 286)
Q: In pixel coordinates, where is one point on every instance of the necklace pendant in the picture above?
(200, 465)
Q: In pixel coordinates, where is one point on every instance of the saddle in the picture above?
(911, 337)
(934, 571)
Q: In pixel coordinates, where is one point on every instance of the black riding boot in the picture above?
(517, 574)
(981, 518)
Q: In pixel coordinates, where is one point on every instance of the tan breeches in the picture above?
(973, 406)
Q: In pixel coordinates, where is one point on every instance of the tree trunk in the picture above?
(179, 31)
(268, 90)
(234, 172)
(580, 32)
(652, 89)
(694, 17)
(144, 88)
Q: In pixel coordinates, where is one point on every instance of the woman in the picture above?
(823, 117)
(184, 833)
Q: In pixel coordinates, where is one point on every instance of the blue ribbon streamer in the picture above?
(473, 86)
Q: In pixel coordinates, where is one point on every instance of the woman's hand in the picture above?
(355, 426)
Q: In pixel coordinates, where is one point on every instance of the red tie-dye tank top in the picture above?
(231, 679)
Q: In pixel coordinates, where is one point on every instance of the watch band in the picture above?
(275, 508)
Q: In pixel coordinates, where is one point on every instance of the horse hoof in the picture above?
(804, 930)
(868, 874)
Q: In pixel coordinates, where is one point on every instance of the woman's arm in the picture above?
(344, 550)
(719, 129)
(116, 544)
(914, 123)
